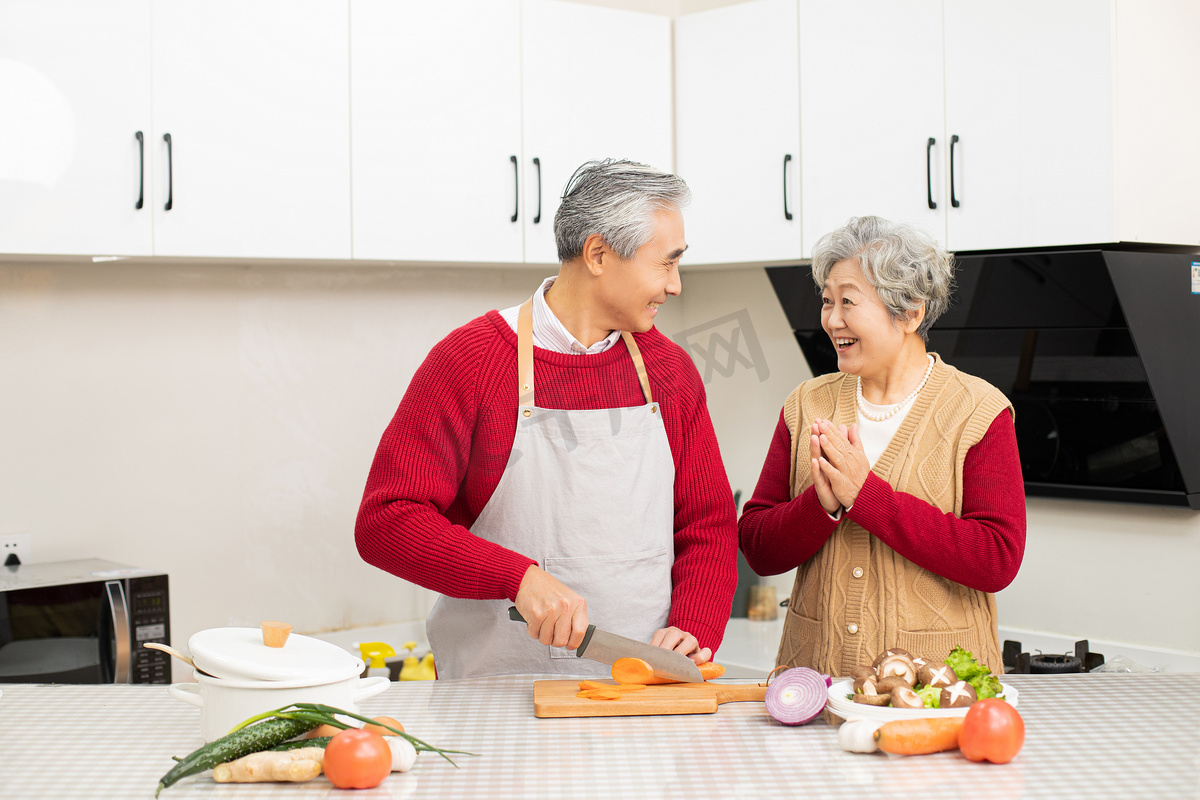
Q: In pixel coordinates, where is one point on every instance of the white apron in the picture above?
(591, 496)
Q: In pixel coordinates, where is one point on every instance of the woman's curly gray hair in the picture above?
(905, 265)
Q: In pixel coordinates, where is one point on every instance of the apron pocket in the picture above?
(627, 594)
(936, 645)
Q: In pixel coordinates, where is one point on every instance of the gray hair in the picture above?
(618, 200)
(904, 264)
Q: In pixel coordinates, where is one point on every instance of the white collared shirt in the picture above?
(549, 333)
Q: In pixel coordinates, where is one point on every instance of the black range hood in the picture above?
(1095, 346)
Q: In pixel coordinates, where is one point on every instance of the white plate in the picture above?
(848, 709)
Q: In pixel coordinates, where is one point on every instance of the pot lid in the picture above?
(241, 654)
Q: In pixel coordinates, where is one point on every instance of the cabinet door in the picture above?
(255, 97)
(74, 94)
(871, 89)
(1029, 94)
(737, 110)
(597, 84)
(436, 99)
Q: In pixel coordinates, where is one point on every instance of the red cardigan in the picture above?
(447, 445)
(982, 549)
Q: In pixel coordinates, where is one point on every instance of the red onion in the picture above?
(797, 695)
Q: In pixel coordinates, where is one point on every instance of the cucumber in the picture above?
(259, 736)
(316, 741)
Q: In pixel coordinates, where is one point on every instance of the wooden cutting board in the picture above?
(557, 699)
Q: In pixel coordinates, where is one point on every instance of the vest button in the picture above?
(858, 572)
(852, 628)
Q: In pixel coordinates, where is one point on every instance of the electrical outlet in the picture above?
(17, 544)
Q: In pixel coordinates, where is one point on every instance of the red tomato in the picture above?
(357, 759)
(992, 731)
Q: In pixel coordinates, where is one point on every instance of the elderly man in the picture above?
(559, 455)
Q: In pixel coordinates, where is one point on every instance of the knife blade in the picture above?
(605, 647)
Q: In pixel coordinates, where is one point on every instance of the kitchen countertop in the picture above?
(1093, 736)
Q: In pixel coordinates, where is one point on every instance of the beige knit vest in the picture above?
(835, 620)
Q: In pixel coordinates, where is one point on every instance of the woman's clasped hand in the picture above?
(839, 464)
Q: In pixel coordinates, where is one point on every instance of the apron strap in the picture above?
(525, 357)
(636, 354)
(525, 354)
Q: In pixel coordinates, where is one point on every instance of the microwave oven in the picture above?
(83, 621)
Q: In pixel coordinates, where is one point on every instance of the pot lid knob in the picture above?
(275, 634)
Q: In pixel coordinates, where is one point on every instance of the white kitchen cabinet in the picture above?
(737, 111)
(75, 91)
(872, 135)
(596, 84)
(1029, 96)
(255, 97)
(469, 116)
(436, 134)
(1052, 123)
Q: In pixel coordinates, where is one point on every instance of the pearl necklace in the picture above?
(862, 409)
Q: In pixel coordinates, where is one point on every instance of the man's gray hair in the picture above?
(618, 200)
(904, 264)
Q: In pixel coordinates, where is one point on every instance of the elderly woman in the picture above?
(893, 484)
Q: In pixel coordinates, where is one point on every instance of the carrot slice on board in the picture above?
(629, 687)
(595, 685)
(637, 670)
(599, 694)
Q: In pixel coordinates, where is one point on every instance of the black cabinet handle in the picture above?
(537, 162)
(516, 188)
(170, 174)
(929, 171)
(141, 168)
(953, 199)
(786, 158)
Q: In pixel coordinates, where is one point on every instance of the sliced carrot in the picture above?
(599, 694)
(629, 687)
(637, 670)
(594, 685)
(914, 737)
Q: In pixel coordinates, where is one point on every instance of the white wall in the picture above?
(217, 422)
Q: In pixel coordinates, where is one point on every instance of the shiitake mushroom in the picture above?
(958, 695)
(899, 664)
(892, 677)
(869, 696)
(863, 671)
(891, 651)
(936, 673)
(890, 683)
(905, 697)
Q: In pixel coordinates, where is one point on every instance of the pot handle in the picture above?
(188, 693)
(369, 687)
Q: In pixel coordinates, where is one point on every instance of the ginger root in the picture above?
(302, 764)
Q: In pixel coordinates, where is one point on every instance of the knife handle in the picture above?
(515, 616)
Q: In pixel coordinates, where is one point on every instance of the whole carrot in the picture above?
(914, 737)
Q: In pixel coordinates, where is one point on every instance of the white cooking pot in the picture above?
(225, 703)
(239, 676)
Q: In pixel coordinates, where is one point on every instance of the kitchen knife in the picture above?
(607, 647)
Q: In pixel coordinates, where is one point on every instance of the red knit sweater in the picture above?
(447, 445)
(981, 549)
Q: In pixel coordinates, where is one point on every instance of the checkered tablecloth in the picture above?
(1088, 736)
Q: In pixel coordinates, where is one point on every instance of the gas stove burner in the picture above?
(1050, 664)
